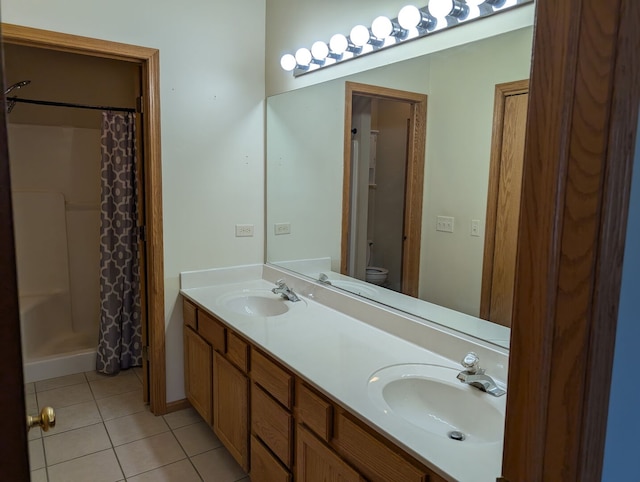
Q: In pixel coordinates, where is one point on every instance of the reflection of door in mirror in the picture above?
(503, 201)
(382, 205)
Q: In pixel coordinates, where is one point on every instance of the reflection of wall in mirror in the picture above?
(459, 125)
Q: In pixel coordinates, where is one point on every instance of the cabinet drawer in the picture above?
(212, 330)
(273, 424)
(374, 459)
(189, 314)
(275, 380)
(314, 411)
(264, 466)
(238, 351)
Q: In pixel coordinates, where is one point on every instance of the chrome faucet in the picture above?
(283, 290)
(475, 376)
(323, 278)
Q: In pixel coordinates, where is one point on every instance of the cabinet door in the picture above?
(197, 373)
(231, 408)
(318, 463)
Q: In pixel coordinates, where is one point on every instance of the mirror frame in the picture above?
(572, 237)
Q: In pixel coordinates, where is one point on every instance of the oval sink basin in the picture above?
(258, 303)
(432, 399)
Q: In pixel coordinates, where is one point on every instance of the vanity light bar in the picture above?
(411, 23)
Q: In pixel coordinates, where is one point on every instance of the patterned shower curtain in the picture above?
(119, 344)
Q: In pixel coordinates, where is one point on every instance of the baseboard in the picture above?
(178, 405)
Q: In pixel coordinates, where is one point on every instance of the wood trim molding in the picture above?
(148, 58)
(177, 405)
(414, 177)
(502, 91)
(583, 108)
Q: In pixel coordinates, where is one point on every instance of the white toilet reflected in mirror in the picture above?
(374, 274)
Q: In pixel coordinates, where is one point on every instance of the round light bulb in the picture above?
(303, 56)
(288, 62)
(409, 17)
(319, 50)
(338, 43)
(360, 35)
(382, 27)
(440, 8)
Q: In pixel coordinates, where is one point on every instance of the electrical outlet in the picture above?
(475, 227)
(282, 228)
(444, 224)
(244, 230)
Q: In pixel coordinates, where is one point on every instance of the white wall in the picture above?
(292, 24)
(212, 93)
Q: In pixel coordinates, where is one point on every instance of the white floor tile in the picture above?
(135, 427)
(121, 405)
(197, 438)
(98, 467)
(39, 475)
(108, 386)
(218, 466)
(60, 382)
(149, 453)
(182, 471)
(182, 417)
(75, 416)
(36, 454)
(64, 397)
(76, 443)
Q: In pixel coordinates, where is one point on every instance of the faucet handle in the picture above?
(471, 362)
(280, 283)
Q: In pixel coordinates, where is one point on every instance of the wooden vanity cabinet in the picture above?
(231, 408)
(272, 420)
(277, 426)
(198, 373)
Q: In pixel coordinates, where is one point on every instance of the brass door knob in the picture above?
(46, 419)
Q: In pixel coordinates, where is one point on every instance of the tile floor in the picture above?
(105, 433)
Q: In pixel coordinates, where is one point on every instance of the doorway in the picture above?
(383, 201)
(147, 61)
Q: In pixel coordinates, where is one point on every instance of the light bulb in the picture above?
(409, 17)
(319, 50)
(303, 57)
(382, 27)
(288, 62)
(360, 35)
(445, 8)
(440, 8)
(338, 44)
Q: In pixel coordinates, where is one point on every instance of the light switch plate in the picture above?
(282, 228)
(244, 230)
(445, 224)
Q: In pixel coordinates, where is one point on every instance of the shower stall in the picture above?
(55, 176)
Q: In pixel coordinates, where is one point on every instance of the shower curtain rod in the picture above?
(68, 104)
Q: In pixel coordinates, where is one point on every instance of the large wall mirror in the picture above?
(306, 165)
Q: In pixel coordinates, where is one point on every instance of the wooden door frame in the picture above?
(502, 91)
(583, 114)
(148, 59)
(414, 177)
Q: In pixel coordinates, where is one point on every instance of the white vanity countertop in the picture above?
(338, 354)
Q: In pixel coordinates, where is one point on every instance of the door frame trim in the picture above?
(502, 91)
(579, 152)
(148, 59)
(414, 177)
